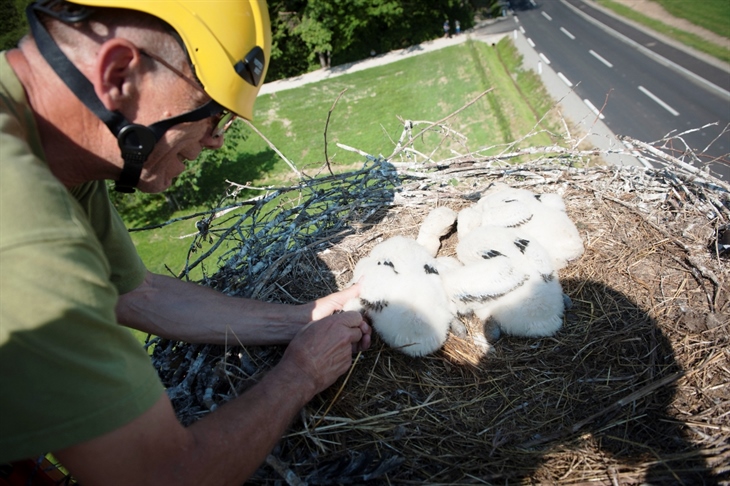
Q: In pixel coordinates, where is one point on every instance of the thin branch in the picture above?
(326, 125)
(273, 147)
(412, 139)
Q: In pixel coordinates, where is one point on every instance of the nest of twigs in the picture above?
(633, 389)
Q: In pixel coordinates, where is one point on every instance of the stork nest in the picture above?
(633, 389)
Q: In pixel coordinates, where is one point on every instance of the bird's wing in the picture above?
(481, 282)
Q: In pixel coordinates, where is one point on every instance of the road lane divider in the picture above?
(600, 58)
(658, 101)
(565, 80)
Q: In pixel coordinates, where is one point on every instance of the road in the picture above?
(642, 87)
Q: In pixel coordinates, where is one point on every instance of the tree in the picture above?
(12, 22)
(318, 33)
(317, 37)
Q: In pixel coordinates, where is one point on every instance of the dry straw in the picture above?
(633, 389)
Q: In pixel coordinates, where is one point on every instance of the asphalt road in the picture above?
(641, 86)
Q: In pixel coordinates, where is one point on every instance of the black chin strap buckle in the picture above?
(136, 143)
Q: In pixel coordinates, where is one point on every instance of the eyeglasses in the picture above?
(222, 118)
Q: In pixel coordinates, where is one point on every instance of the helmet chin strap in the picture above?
(136, 142)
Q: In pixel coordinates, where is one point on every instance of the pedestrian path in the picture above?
(382, 59)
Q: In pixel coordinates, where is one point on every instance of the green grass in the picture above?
(165, 247)
(713, 15)
(427, 87)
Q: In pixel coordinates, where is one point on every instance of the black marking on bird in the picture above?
(537, 196)
(522, 244)
(548, 277)
(510, 200)
(490, 254)
(388, 263)
(376, 306)
(469, 298)
(430, 269)
(520, 223)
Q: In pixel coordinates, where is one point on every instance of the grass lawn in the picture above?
(368, 114)
(427, 87)
(714, 15)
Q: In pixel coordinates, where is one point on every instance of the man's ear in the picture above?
(116, 72)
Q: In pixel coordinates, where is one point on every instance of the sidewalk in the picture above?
(379, 60)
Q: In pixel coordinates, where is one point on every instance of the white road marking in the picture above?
(565, 80)
(565, 31)
(546, 16)
(594, 109)
(598, 56)
(658, 101)
(530, 42)
(542, 56)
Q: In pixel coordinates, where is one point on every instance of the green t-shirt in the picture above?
(68, 371)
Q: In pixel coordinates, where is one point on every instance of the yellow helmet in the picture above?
(228, 42)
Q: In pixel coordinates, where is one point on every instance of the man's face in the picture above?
(183, 142)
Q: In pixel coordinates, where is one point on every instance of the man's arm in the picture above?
(171, 308)
(228, 445)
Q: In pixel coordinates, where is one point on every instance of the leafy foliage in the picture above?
(313, 33)
(12, 22)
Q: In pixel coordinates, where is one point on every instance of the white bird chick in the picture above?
(552, 200)
(540, 216)
(437, 224)
(555, 230)
(490, 267)
(468, 218)
(505, 207)
(508, 281)
(402, 295)
(495, 207)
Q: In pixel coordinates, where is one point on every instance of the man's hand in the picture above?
(334, 302)
(322, 350)
(326, 306)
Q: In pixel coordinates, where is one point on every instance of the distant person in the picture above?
(128, 91)
(447, 28)
(457, 27)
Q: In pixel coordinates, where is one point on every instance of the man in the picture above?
(128, 90)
